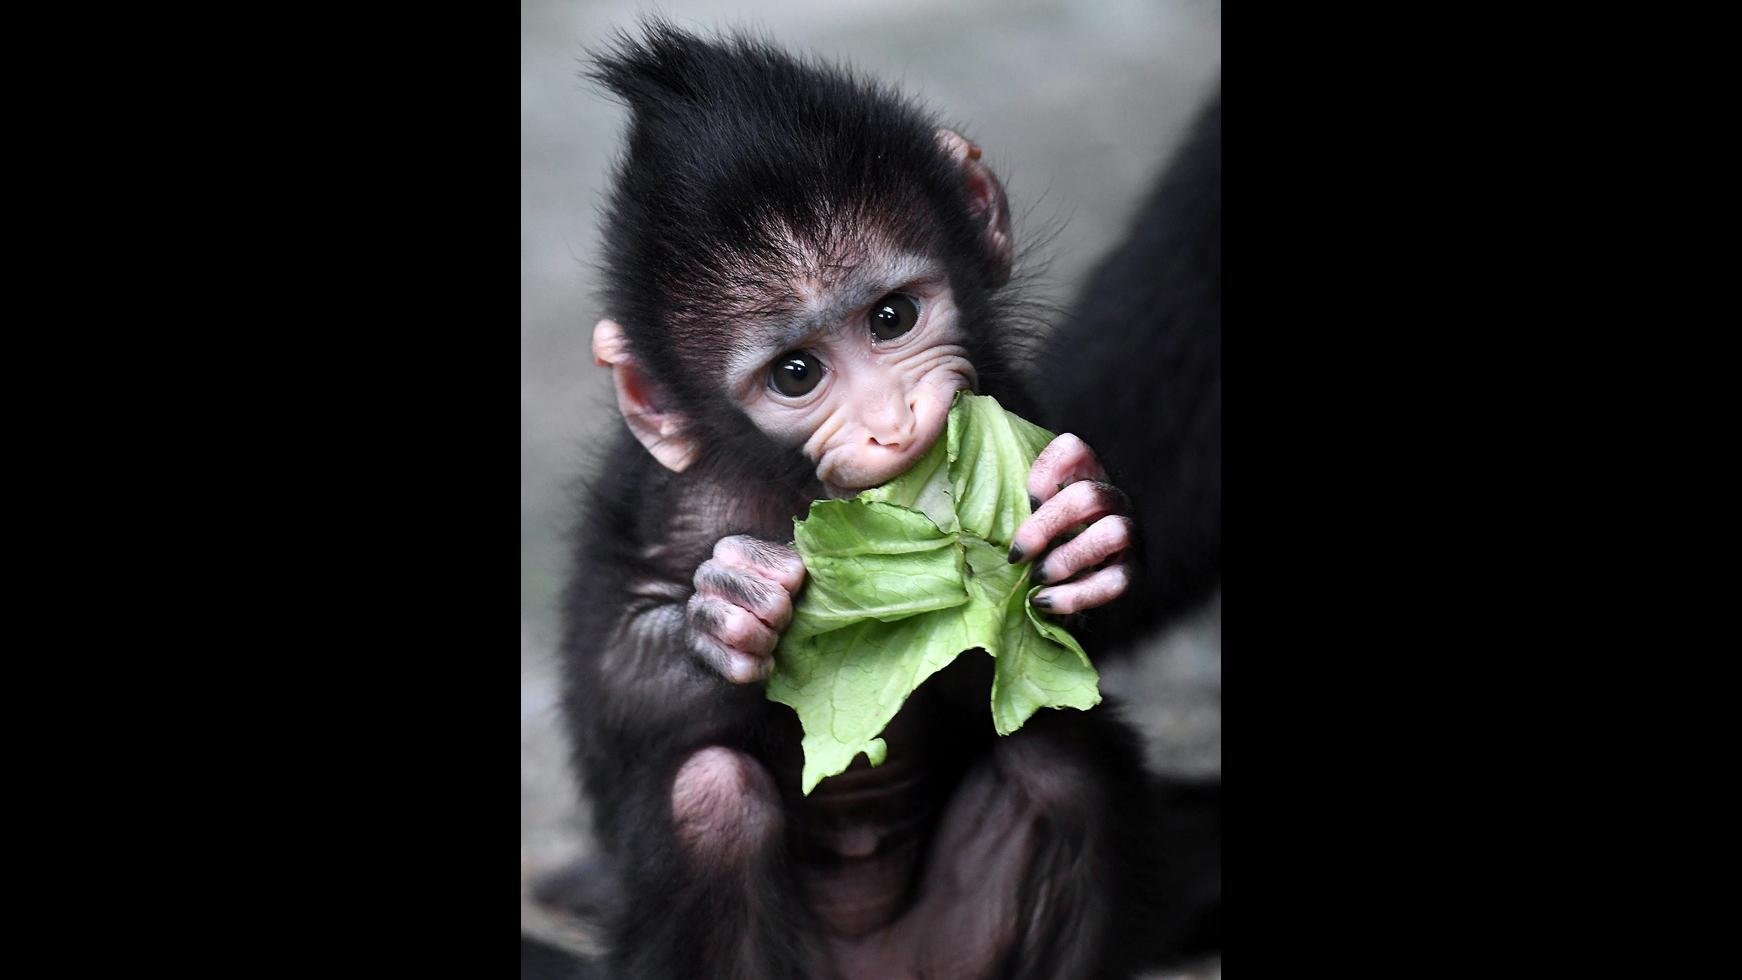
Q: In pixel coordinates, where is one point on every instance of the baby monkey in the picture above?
(801, 271)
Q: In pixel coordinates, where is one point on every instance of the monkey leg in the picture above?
(707, 891)
(1025, 877)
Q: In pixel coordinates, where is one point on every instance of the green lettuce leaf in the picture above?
(925, 486)
(990, 454)
(869, 560)
(906, 577)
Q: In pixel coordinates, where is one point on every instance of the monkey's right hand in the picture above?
(743, 601)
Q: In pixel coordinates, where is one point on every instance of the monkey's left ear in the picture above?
(663, 431)
(985, 202)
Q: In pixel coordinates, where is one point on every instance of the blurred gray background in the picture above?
(1077, 106)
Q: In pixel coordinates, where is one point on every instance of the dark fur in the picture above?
(1136, 371)
(725, 135)
(542, 961)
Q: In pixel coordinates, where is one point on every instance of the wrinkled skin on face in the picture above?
(879, 403)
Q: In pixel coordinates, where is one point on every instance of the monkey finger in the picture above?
(733, 626)
(734, 665)
(1105, 538)
(771, 560)
(1088, 592)
(1079, 503)
(1065, 460)
(739, 629)
(767, 601)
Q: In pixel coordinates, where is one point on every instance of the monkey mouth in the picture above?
(836, 491)
(841, 491)
(859, 468)
(858, 482)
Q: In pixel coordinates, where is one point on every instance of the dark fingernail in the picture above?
(1042, 602)
(1033, 503)
(1015, 553)
(1038, 575)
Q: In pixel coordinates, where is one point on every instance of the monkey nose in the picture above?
(892, 440)
(893, 433)
(893, 426)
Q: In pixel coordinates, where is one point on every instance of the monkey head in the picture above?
(797, 262)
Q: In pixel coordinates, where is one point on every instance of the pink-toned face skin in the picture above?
(879, 404)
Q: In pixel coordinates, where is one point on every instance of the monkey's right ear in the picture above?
(985, 202)
(665, 432)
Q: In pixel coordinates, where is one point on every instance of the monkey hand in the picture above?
(1068, 488)
(742, 602)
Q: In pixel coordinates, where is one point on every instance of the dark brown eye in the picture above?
(892, 316)
(795, 373)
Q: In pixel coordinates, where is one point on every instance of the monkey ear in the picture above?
(985, 202)
(665, 433)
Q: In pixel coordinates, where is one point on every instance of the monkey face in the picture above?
(801, 266)
(863, 378)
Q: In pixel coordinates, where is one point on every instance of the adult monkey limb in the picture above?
(802, 270)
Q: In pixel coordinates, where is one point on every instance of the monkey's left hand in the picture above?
(1067, 487)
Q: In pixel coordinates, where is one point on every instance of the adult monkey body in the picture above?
(801, 271)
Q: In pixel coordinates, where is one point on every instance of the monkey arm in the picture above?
(649, 686)
(732, 617)
(638, 700)
(695, 819)
(641, 690)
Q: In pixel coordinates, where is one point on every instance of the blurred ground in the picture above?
(1077, 107)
